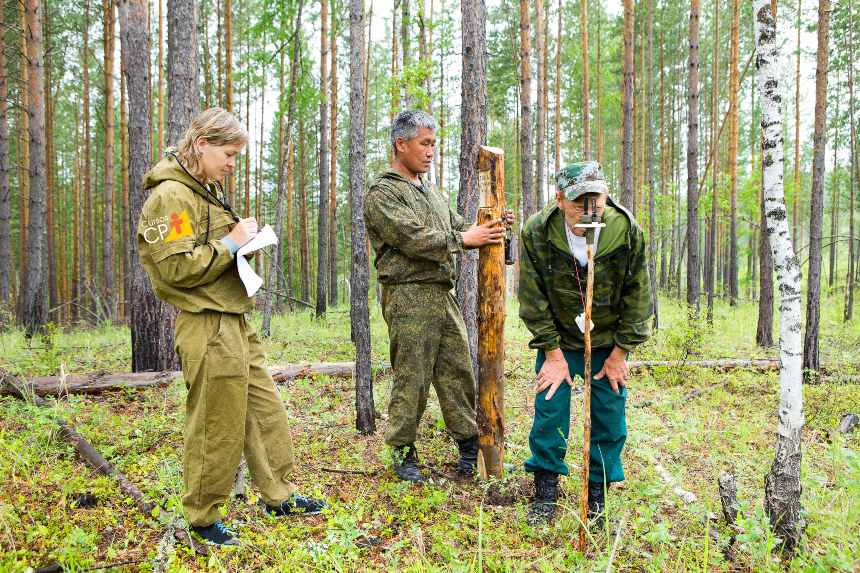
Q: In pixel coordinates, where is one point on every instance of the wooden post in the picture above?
(491, 318)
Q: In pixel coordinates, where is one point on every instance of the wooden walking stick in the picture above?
(590, 221)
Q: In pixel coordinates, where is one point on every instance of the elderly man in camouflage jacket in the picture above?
(415, 236)
(553, 273)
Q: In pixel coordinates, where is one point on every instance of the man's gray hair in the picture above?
(406, 124)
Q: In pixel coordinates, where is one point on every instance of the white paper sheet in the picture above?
(263, 239)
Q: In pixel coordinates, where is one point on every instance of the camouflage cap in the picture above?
(577, 179)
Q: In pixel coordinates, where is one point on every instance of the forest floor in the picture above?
(53, 508)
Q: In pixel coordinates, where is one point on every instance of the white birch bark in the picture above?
(782, 484)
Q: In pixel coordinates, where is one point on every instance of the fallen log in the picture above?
(102, 381)
(723, 365)
(90, 455)
(92, 383)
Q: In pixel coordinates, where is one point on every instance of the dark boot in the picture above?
(406, 463)
(597, 505)
(546, 495)
(468, 456)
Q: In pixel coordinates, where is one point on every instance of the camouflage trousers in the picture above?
(428, 346)
(232, 407)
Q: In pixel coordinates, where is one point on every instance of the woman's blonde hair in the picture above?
(218, 127)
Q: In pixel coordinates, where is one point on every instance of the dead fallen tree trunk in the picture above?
(90, 455)
(92, 383)
(103, 381)
(723, 365)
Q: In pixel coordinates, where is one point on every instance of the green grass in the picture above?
(463, 525)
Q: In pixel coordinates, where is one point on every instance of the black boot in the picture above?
(468, 456)
(597, 505)
(406, 463)
(546, 495)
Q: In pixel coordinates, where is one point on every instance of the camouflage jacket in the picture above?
(552, 283)
(178, 238)
(415, 235)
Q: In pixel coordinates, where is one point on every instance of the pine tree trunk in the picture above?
(286, 173)
(228, 73)
(782, 484)
(151, 336)
(692, 164)
(23, 155)
(303, 220)
(332, 225)
(627, 118)
(108, 244)
(5, 189)
(323, 214)
(160, 64)
(652, 219)
(526, 159)
(664, 175)
(849, 287)
(734, 89)
(586, 112)
(558, 81)
(405, 28)
(540, 129)
(711, 252)
(34, 313)
(50, 170)
(794, 225)
(473, 135)
(816, 202)
(599, 83)
(127, 233)
(359, 312)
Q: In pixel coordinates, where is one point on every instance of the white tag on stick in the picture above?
(580, 322)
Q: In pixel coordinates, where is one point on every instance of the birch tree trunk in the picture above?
(627, 118)
(322, 215)
(151, 336)
(782, 484)
(692, 164)
(816, 201)
(359, 310)
(285, 172)
(473, 113)
(34, 313)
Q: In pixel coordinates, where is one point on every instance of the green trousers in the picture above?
(551, 427)
(232, 407)
(427, 339)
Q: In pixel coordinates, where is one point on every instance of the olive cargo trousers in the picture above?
(427, 339)
(551, 427)
(232, 407)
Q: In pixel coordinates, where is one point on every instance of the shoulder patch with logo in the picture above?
(181, 227)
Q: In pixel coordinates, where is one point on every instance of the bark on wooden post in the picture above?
(491, 318)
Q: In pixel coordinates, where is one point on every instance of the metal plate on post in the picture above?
(484, 188)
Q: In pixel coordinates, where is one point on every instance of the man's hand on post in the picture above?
(509, 218)
(616, 369)
(553, 372)
(486, 234)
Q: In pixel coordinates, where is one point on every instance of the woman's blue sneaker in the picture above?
(297, 504)
(216, 534)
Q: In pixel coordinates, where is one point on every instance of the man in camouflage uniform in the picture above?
(553, 274)
(415, 236)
